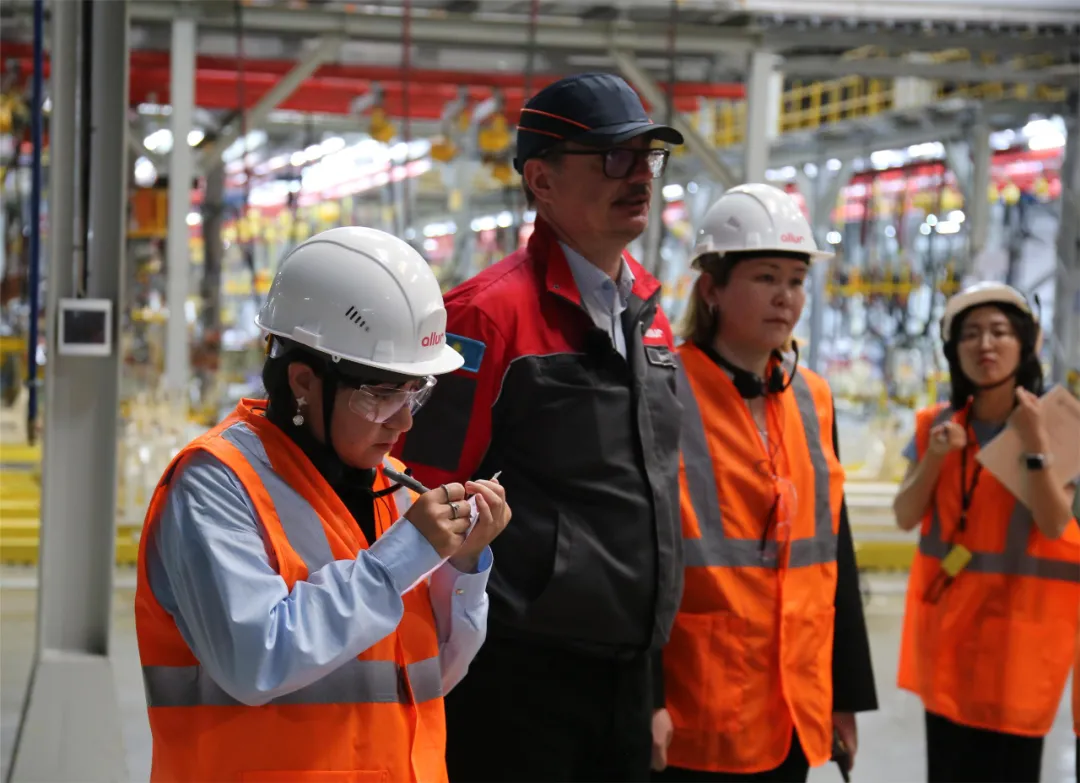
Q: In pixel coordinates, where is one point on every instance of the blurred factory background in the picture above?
(931, 142)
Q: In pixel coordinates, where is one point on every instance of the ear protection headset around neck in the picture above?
(749, 385)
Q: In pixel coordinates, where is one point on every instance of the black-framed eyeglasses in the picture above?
(620, 162)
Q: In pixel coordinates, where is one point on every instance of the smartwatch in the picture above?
(1036, 461)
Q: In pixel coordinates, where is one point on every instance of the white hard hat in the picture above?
(756, 217)
(984, 293)
(361, 295)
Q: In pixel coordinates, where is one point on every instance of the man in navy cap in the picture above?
(568, 389)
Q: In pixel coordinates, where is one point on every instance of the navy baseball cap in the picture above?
(595, 109)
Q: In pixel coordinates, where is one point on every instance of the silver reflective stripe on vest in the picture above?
(356, 682)
(1014, 560)
(822, 547)
(301, 524)
(714, 548)
(402, 498)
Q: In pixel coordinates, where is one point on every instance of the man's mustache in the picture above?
(635, 192)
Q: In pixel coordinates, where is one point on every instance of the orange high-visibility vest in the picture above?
(994, 650)
(378, 717)
(1076, 689)
(750, 656)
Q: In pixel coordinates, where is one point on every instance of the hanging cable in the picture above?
(33, 286)
(656, 241)
(530, 52)
(673, 20)
(247, 249)
(518, 203)
(406, 64)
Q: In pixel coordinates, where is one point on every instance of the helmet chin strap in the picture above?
(329, 395)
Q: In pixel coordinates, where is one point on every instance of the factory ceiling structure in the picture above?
(296, 68)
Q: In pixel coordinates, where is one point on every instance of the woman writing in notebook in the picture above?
(994, 591)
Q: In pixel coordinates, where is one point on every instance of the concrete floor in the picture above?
(890, 744)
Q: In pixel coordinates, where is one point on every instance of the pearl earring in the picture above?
(298, 419)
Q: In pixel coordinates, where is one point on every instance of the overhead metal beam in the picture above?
(859, 140)
(336, 123)
(896, 41)
(886, 68)
(697, 144)
(327, 48)
(818, 25)
(1000, 12)
(565, 33)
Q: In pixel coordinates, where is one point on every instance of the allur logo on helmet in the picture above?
(795, 239)
(432, 339)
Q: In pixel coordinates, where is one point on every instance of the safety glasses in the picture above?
(620, 162)
(379, 403)
(776, 532)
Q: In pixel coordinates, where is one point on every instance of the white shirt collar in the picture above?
(593, 284)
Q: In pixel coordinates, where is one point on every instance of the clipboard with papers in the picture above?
(1002, 456)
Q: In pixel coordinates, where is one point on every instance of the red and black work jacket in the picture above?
(587, 442)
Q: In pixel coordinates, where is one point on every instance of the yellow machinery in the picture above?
(443, 149)
(20, 510)
(381, 129)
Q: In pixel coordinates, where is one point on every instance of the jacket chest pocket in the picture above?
(661, 398)
(571, 398)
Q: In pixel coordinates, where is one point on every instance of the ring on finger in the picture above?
(453, 511)
(447, 491)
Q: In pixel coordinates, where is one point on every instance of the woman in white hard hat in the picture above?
(754, 688)
(994, 592)
(299, 613)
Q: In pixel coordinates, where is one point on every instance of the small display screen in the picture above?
(84, 327)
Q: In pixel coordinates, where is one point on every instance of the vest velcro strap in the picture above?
(357, 682)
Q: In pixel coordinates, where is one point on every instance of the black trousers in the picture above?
(962, 754)
(525, 713)
(794, 769)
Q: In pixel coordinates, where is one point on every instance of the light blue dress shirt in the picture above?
(209, 567)
(604, 299)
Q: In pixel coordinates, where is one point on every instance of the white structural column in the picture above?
(1066, 328)
(978, 201)
(177, 254)
(821, 192)
(763, 85)
(654, 231)
(70, 728)
(969, 160)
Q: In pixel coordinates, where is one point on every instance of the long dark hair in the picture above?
(275, 378)
(1029, 373)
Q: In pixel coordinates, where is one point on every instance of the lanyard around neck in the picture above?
(967, 491)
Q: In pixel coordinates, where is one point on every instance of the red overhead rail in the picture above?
(334, 87)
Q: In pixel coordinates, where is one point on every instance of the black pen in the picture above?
(408, 481)
(413, 484)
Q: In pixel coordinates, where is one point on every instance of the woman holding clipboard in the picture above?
(994, 592)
